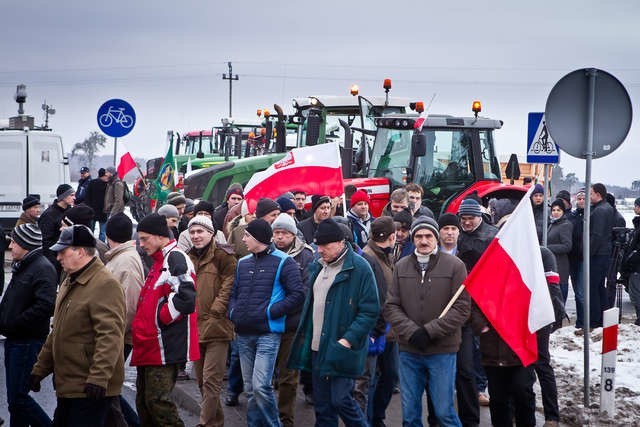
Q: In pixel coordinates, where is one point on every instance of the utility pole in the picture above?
(231, 78)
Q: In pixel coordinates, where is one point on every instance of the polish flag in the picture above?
(315, 170)
(509, 285)
(126, 163)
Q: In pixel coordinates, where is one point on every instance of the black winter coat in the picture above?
(28, 303)
(472, 245)
(601, 228)
(308, 228)
(94, 198)
(575, 218)
(538, 217)
(81, 192)
(559, 241)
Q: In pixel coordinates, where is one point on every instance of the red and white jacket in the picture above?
(164, 329)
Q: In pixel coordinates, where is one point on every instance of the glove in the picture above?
(93, 391)
(420, 339)
(34, 382)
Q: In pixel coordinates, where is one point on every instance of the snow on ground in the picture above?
(566, 348)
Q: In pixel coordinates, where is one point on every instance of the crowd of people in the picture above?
(351, 307)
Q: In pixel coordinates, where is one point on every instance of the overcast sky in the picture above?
(168, 61)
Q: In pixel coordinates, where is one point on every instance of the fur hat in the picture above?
(448, 218)
(204, 222)
(27, 236)
(328, 231)
(155, 224)
(425, 222)
(285, 222)
(260, 230)
(203, 206)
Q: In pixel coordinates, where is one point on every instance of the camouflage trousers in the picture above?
(153, 398)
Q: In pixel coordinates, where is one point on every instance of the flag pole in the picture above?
(453, 300)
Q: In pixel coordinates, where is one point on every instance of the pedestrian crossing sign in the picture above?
(540, 147)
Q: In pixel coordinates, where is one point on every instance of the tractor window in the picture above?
(490, 164)
(447, 167)
(390, 156)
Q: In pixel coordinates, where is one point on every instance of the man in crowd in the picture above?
(429, 338)
(300, 198)
(320, 210)
(172, 215)
(404, 246)
(25, 312)
(398, 201)
(114, 196)
(449, 231)
(600, 245)
(631, 262)
(49, 221)
(30, 211)
(416, 193)
(96, 192)
(259, 307)
(177, 199)
(233, 197)
(83, 183)
(576, 270)
(332, 339)
(215, 268)
(125, 264)
(267, 210)
(360, 217)
(84, 349)
(287, 206)
(285, 239)
(164, 329)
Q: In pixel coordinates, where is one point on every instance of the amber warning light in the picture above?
(419, 106)
(387, 84)
(476, 107)
(354, 90)
(259, 112)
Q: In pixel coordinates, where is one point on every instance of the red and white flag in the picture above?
(314, 170)
(508, 284)
(126, 163)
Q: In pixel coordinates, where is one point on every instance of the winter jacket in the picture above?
(219, 214)
(471, 245)
(125, 264)
(87, 339)
(374, 254)
(49, 224)
(267, 287)
(95, 196)
(235, 237)
(114, 197)
(215, 268)
(303, 255)
(81, 192)
(308, 228)
(601, 229)
(361, 228)
(416, 301)
(164, 327)
(351, 309)
(27, 305)
(575, 218)
(538, 217)
(559, 241)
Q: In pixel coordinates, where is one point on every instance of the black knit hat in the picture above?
(564, 195)
(64, 190)
(328, 231)
(265, 206)
(27, 236)
(316, 201)
(155, 224)
(448, 218)
(260, 230)
(203, 206)
(101, 172)
(119, 228)
(29, 202)
(80, 214)
(404, 218)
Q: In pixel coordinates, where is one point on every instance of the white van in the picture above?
(32, 162)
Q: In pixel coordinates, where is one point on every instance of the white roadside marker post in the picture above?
(609, 353)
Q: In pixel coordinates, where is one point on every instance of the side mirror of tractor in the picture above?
(419, 145)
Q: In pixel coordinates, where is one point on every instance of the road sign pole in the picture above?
(592, 73)
(115, 152)
(545, 207)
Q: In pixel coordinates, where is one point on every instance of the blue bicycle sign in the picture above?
(116, 117)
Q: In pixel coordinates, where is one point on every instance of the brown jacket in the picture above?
(413, 302)
(86, 342)
(126, 266)
(25, 218)
(114, 197)
(215, 271)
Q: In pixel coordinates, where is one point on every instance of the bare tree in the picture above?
(89, 147)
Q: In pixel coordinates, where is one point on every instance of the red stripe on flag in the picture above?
(609, 339)
(310, 179)
(496, 285)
